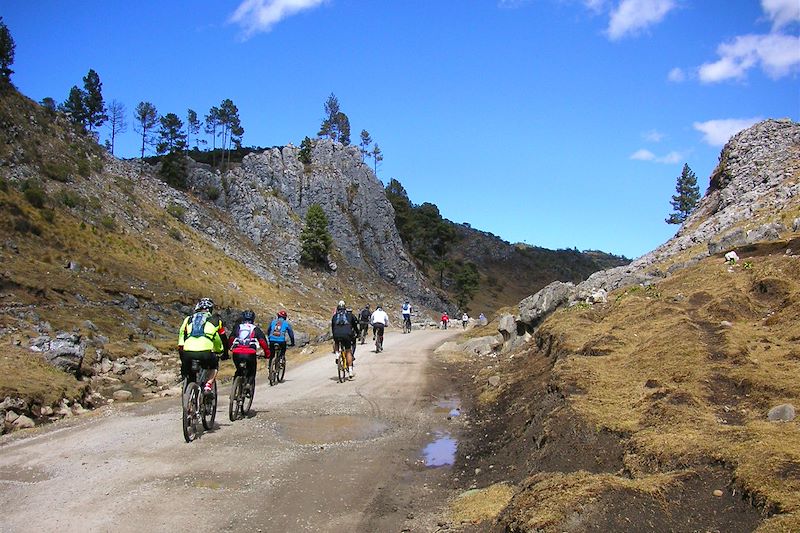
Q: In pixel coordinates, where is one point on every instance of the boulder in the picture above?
(65, 352)
(494, 381)
(533, 308)
(729, 241)
(11, 417)
(482, 345)
(507, 327)
(122, 395)
(767, 232)
(781, 413)
(796, 224)
(23, 422)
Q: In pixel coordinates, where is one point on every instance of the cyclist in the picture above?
(406, 310)
(246, 337)
(445, 320)
(464, 320)
(278, 329)
(343, 328)
(379, 320)
(363, 322)
(201, 337)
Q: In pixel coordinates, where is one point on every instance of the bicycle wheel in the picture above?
(249, 392)
(190, 407)
(235, 405)
(271, 366)
(209, 410)
(281, 371)
(341, 367)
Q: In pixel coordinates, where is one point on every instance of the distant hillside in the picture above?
(505, 273)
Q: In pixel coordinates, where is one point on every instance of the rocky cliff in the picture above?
(269, 194)
(754, 196)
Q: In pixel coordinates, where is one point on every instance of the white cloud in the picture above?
(594, 5)
(718, 132)
(646, 155)
(632, 16)
(781, 12)
(643, 155)
(777, 54)
(676, 75)
(653, 136)
(261, 15)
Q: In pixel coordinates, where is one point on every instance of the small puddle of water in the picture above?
(331, 428)
(448, 406)
(440, 452)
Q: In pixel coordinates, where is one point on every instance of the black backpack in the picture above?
(341, 324)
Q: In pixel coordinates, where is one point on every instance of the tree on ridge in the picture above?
(116, 121)
(7, 47)
(686, 198)
(146, 118)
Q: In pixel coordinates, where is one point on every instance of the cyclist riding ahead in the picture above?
(406, 317)
(201, 337)
(363, 322)
(379, 320)
(245, 340)
(344, 327)
(278, 329)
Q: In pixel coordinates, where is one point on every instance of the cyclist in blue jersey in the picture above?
(278, 329)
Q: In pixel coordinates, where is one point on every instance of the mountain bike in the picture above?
(379, 339)
(341, 365)
(277, 363)
(197, 406)
(242, 392)
(407, 324)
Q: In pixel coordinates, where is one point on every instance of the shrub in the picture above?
(34, 194)
(58, 171)
(71, 199)
(23, 225)
(48, 214)
(108, 222)
(175, 234)
(176, 211)
(211, 192)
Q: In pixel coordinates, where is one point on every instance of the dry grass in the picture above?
(35, 379)
(552, 499)
(690, 367)
(479, 505)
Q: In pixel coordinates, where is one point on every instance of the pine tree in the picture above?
(93, 101)
(212, 123)
(146, 119)
(315, 239)
(377, 157)
(193, 125)
(467, 282)
(366, 140)
(335, 125)
(116, 121)
(686, 198)
(75, 107)
(7, 48)
(171, 138)
(304, 155)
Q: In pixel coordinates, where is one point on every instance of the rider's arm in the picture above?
(290, 331)
(182, 334)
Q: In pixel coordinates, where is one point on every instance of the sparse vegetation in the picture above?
(176, 211)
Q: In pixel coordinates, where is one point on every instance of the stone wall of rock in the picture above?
(269, 194)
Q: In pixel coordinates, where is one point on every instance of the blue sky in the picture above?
(559, 123)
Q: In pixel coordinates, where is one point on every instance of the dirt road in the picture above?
(315, 455)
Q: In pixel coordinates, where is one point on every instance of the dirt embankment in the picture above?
(648, 413)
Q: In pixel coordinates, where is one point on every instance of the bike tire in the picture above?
(247, 400)
(341, 367)
(281, 372)
(209, 411)
(235, 405)
(271, 369)
(190, 406)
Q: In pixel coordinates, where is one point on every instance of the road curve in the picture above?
(315, 455)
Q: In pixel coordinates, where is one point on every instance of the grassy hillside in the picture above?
(83, 234)
(635, 412)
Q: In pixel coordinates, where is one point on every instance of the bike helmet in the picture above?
(205, 304)
(340, 305)
(248, 316)
(282, 313)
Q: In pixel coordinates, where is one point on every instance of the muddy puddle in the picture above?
(450, 407)
(441, 451)
(331, 429)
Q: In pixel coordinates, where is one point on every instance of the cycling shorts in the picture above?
(208, 360)
(342, 343)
